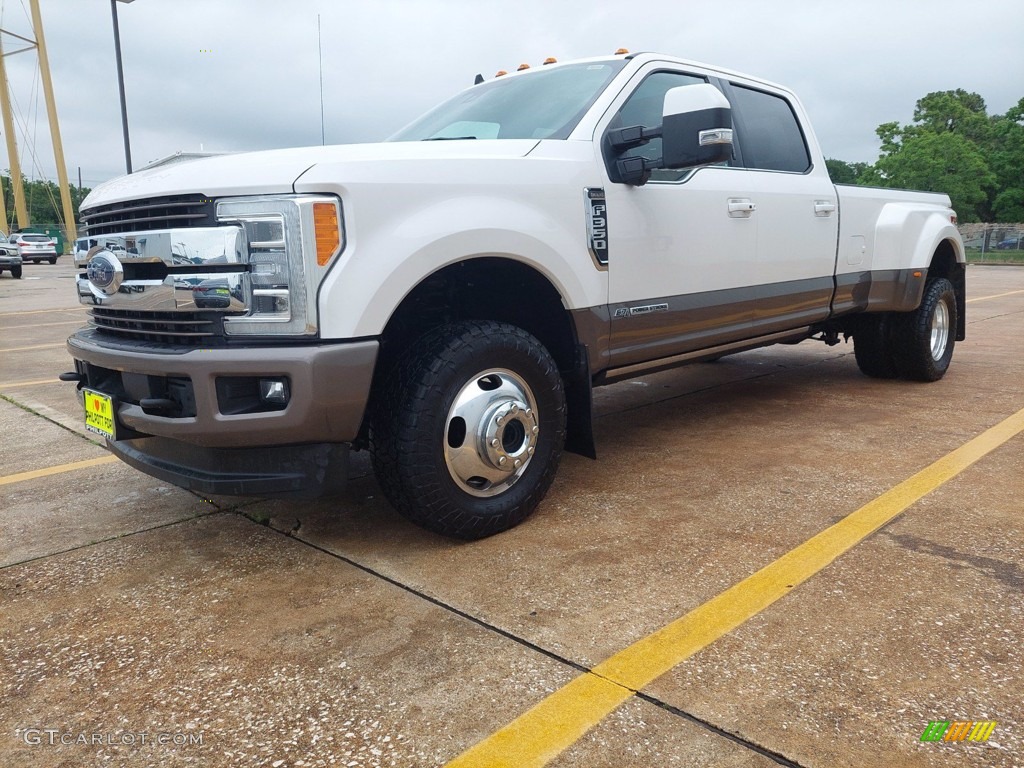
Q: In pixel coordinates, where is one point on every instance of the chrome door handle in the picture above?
(741, 207)
(823, 207)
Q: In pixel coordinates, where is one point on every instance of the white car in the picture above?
(36, 248)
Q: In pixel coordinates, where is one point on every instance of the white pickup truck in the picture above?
(448, 298)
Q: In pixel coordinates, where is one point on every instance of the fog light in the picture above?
(274, 390)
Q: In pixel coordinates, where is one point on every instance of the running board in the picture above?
(613, 375)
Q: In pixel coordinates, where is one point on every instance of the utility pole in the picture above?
(12, 147)
(51, 111)
(120, 84)
(3, 211)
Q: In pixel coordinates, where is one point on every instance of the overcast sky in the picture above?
(231, 75)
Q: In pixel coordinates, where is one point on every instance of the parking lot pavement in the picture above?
(706, 474)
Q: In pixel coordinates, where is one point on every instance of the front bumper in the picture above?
(205, 449)
(301, 471)
(7, 260)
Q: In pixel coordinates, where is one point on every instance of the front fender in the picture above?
(380, 267)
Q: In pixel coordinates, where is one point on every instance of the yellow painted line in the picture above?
(37, 346)
(42, 311)
(996, 296)
(42, 325)
(60, 468)
(542, 733)
(13, 384)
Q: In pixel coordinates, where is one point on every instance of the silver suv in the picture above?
(10, 259)
(36, 248)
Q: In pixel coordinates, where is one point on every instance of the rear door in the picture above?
(795, 205)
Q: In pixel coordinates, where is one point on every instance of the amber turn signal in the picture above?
(328, 233)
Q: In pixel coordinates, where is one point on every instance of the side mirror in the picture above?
(696, 127)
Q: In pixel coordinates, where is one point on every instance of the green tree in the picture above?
(42, 199)
(958, 111)
(937, 162)
(946, 149)
(843, 172)
(1006, 159)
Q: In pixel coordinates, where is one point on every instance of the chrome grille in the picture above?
(181, 328)
(174, 211)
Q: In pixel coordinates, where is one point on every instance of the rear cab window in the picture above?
(769, 134)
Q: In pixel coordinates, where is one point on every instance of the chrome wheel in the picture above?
(940, 330)
(491, 432)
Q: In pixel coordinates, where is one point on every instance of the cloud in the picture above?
(243, 74)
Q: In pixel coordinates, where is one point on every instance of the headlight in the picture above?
(292, 242)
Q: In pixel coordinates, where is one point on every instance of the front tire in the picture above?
(16, 272)
(467, 432)
(923, 340)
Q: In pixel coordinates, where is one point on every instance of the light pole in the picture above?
(120, 85)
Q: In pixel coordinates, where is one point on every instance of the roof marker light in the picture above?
(550, 60)
(521, 67)
(620, 51)
(500, 72)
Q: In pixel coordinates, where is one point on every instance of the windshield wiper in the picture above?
(448, 138)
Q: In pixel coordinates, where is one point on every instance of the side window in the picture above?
(644, 107)
(770, 135)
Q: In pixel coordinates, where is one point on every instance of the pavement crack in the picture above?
(422, 595)
(119, 536)
(557, 657)
(772, 755)
(52, 416)
(994, 317)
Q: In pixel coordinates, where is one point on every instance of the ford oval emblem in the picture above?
(104, 272)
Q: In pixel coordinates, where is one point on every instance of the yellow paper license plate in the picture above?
(99, 413)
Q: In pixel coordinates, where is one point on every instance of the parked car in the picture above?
(1011, 243)
(10, 259)
(82, 246)
(36, 248)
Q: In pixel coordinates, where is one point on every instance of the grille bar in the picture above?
(178, 335)
(154, 213)
(182, 328)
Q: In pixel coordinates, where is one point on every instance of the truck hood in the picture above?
(275, 171)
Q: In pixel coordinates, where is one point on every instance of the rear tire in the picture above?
(467, 431)
(923, 340)
(872, 347)
(53, 260)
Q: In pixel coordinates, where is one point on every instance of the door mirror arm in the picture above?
(636, 171)
(631, 137)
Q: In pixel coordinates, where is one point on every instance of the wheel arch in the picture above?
(500, 288)
(947, 261)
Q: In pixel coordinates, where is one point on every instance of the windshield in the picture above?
(543, 104)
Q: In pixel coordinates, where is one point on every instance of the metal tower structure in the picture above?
(21, 210)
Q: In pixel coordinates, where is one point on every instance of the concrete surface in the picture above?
(333, 632)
